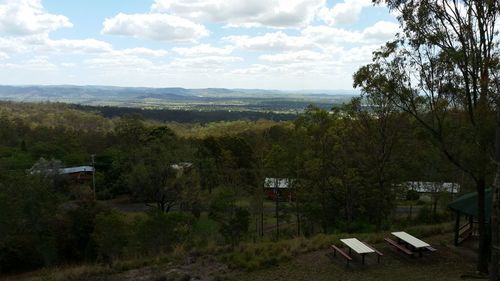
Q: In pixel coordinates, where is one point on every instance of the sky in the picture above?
(255, 44)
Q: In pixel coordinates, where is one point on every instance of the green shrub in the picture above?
(111, 235)
(412, 195)
(234, 220)
(424, 214)
(159, 232)
(356, 227)
(429, 230)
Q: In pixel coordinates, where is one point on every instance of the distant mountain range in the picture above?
(178, 98)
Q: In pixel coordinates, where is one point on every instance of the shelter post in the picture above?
(457, 227)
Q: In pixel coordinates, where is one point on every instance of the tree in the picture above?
(374, 146)
(319, 163)
(47, 170)
(152, 177)
(111, 234)
(276, 168)
(159, 232)
(443, 69)
(234, 220)
(208, 161)
(27, 238)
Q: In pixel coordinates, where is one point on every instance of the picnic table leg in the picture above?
(378, 258)
(420, 252)
(363, 258)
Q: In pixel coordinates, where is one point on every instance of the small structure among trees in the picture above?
(466, 206)
(432, 187)
(53, 168)
(279, 188)
(80, 174)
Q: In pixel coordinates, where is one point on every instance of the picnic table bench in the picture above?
(360, 248)
(342, 253)
(399, 246)
(409, 240)
(379, 254)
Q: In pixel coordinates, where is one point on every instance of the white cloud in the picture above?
(294, 57)
(203, 50)
(245, 13)
(380, 31)
(155, 27)
(207, 62)
(270, 41)
(28, 17)
(78, 46)
(136, 59)
(43, 45)
(327, 36)
(314, 37)
(253, 69)
(346, 12)
(68, 64)
(119, 63)
(358, 55)
(11, 45)
(38, 63)
(293, 75)
(293, 54)
(324, 35)
(141, 52)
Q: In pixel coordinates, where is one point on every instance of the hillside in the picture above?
(209, 99)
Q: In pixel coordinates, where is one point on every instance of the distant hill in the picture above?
(179, 98)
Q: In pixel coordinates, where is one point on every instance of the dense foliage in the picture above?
(345, 167)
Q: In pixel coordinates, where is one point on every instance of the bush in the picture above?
(234, 220)
(111, 235)
(75, 225)
(160, 232)
(356, 227)
(237, 226)
(426, 215)
(412, 195)
(429, 230)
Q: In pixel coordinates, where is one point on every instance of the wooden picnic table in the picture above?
(411, 240)
(358, 247)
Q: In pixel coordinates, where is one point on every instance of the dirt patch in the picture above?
(202, 269)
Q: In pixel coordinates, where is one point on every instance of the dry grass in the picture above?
(445, 264)
(294, 259)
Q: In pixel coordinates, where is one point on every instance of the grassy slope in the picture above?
(448, 264)
(445, 264)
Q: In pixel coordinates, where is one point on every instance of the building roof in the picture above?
(467, 204)
(73, 170)
(181, 165)
(432, 187)
(277, 183)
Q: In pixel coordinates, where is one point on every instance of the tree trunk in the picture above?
(277, 215)
(434, 209)
(262, 220)
(495, 210)
(495, 246)
(410, 213)
(297, 209)
(482, 262)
